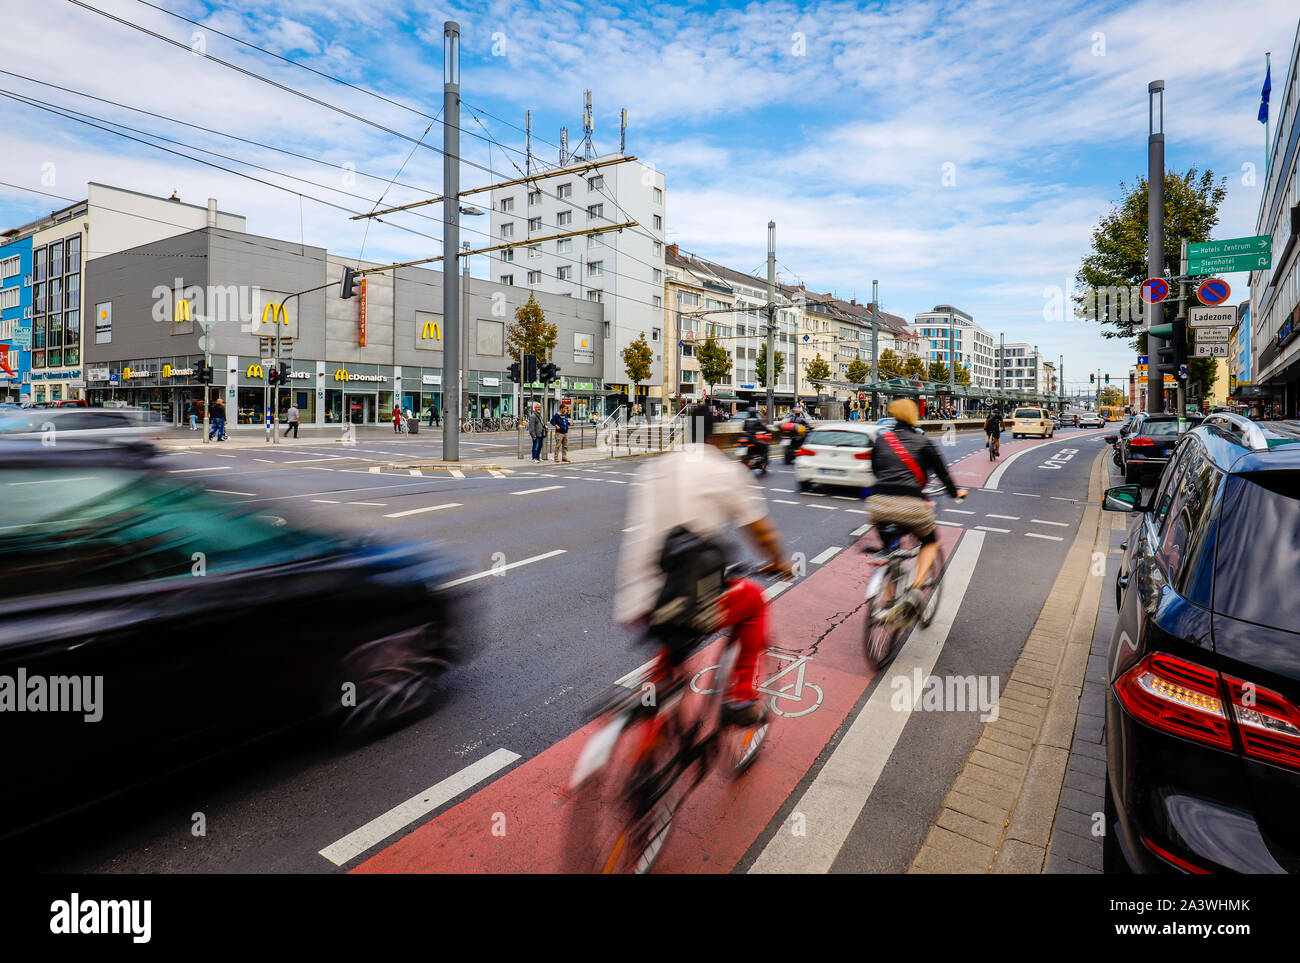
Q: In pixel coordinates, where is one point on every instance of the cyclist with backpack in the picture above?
(670, 577)
(902, 459)
(993, 432)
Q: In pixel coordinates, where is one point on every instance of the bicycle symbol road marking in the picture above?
(791, 690)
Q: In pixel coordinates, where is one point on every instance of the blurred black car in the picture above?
(1203, 695)
(146, 624)
(1145, 443)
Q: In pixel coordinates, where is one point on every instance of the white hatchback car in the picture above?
(837, 453)
(1090, 419)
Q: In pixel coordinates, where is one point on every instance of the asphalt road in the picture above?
(549, 645)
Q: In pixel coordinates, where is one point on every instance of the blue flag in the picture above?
(1263, 95)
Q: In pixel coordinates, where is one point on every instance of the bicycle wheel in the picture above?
(618, 820)
(881, 637)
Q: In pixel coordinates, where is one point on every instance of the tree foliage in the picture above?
(637, 358)
(858, 372)
(891, 366)
(760, 366)
(937, 372)
(715, 362)
(818, 372)
(530, 332)
(914, 367)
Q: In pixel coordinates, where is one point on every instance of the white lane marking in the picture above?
(496, 474)
(845, 498)
(632, 529)
(456, 473)
(223, 491)
(772, 591)
(373, 504)
(1025, 495)
(534, 491)
(326, 501)
(958, 511)
(421, 804)
(1054, 538)
(417, 511)
(861, 529)
(1010, 518)
(1062, 498)
(636, 674)
(986, 528)
(182, 471)
(783, 491)
(817, 494)
(1043, 521)
(939, 521)
(829, 508)
(825, 556)
(374, 469)
(996, 477)
(835, 799)
(784, 501)
(415, 473)
(502, 568)
(269, 461)
(855, 511)
(305, 461)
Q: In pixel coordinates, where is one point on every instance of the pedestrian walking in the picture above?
(537, 432)
(397, 419)
(218, 410)
(192, 412)
(561, 422)
(292, 418)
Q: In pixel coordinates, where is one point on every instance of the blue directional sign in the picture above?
(1213, 291)
(1155, 290)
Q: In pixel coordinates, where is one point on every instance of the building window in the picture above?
(688, 298)
(564, 273)
(507, 205)
(564, 218)
(594, 240)
(9, 298)
(654, 334)
(657, 301)
(508, 254)
(534, 250)
(11, 266)
(534, 224)
(597, 296)
(508, 279)
(40, 264)
(534, 277)
(595, 211)
(656, 275)
(658, 223)
(596, 183)
(564, 245)
(563, 191)
(534, 198)
(659, 248)
(508, 229)
(595, 269)
(658, 195)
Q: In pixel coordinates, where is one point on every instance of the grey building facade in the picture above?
(350, 360)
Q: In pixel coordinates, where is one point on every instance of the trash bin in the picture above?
(413, 425)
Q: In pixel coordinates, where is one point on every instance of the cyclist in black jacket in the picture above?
(898, 495)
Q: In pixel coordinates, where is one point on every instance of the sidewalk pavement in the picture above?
(1023, 791)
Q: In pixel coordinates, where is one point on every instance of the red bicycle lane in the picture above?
(516, 823)
(975, 470)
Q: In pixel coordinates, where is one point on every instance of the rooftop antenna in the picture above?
(528, 143)
(622, 134)
(588, 126)
(564, 146)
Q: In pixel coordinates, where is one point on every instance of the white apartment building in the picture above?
(1022, 368)
(623, 270)
(109, 220)
(947, 333)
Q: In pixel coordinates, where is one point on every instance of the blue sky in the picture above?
(958, 152)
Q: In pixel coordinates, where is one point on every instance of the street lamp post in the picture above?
(1155, 234)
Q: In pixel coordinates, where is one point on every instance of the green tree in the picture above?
(637, 358)
(530, 332)
(1112, 274)
(760, 367)
(891, 366)
(914, 368)
(963, 376)
(858, 372)
(715, 362)
(1111, 395)
(818, 373)
(937, 372)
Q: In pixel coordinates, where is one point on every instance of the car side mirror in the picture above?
(1123, 498)
(1110, 439)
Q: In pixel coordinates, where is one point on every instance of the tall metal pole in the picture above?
(450, 240)
(798, 310)
(464, 331)
(1155, 235)
(1181, 391)
(875, 346)
(952, 358)
(771, 319)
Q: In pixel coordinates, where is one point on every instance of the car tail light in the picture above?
(1178, 861)
(1269, 724)
(863, 455)
(804, 451)
(1177, 696)
(1140, 442)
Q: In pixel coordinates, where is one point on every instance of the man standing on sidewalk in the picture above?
(537, 432)
(292, 418)
(218, 420)
(561, 422)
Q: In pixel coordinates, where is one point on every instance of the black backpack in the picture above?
(694, 570)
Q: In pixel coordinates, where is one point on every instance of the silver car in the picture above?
(1090, 419)
(78, 424)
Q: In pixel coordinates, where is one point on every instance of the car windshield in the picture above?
(1259, 549)
(839, 438)
(1027, 413)
(1167, 427)
(67, 528)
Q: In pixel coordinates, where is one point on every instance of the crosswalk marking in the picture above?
(958, 511)
(372, 504)
(222, 491)
(417, 511)
(496, 474)
(326, 501)
(415, 473)
(374, 470)
(939, 521)
(456, 473)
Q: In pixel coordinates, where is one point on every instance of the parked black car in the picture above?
(1145, 443)
(1203, 672)
(146, 624)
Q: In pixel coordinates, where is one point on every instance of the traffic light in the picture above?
(351, 283)
(272, 376)
(549, 372)
(530, 369)
(1092, 379)
(514, 373)
(284, 373)
(1107, 379)
(1165, 358)
(202, 373)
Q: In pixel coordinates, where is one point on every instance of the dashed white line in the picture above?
(326, 501)
(1043, 521)
(784, 501)
(223, 491)
(855, 511)
(1009, 518)
(534, 491)
(1025, 495)
(377, 830)
(418, 511)
(182, 471)
(986, 528)
(829, 508)
(372, 504)
(958, 511)
(1054, 538)
(861, 530)
(939, 521)
(502, 568)
(825, 556)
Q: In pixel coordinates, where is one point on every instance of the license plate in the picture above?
(831, 471)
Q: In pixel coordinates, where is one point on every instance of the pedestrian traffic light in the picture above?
(351, 283)
(530, 369)
(284, 373)
(272, 376)
(514, 373)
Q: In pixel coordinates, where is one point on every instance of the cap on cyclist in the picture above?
(903, 459)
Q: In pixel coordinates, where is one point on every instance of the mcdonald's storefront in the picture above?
(164, 385)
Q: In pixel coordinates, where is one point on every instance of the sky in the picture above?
(957, 152)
